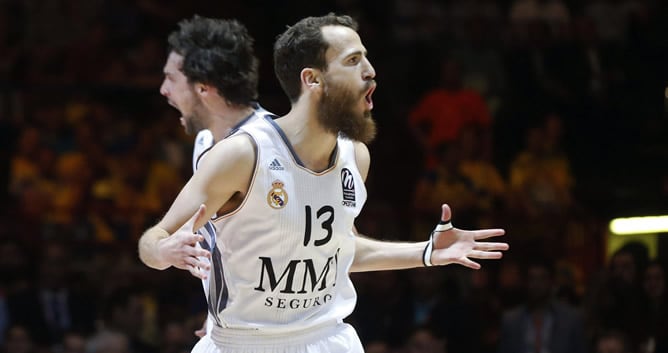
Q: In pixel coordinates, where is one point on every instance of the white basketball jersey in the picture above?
(203, 142)
(281, 260)
(204, 139)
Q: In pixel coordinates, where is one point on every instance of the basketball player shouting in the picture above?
(211, 77)
(287, 192)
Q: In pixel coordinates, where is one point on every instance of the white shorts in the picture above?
(337, 338)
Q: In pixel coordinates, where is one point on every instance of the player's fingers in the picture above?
(446, 213)
(488, 233)
(196, 262)
(477, 254)
(193, 271)
(196, 217)
(191, 238)
(197, 272)
(468, 263)
(202, 274)
(194, 251)
(200, 333)
(490, 246)
(199, 252)
(189, 261)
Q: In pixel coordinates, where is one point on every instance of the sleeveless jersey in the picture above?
(204, 139)
(203, 143)
(281, 260)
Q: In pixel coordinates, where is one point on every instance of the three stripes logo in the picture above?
(275, 165)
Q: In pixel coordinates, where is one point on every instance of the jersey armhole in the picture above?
(199, 157)
(251, 182)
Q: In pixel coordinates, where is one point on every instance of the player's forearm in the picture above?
(375, 255)
(148, 248)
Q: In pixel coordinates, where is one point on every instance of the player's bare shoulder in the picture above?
(230, 161)
(238, 148)
(362, 157)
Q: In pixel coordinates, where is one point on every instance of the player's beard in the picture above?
(337, 113)
(194, 122)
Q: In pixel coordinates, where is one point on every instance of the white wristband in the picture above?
(426, 255)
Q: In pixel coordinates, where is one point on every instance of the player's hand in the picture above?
(180, 249)
(460, 246)
(202, 330)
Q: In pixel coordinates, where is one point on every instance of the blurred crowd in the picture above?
(545, 117)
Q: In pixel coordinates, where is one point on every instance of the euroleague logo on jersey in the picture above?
(348, 186)
(277, 197)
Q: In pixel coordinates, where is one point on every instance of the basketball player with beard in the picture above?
(211, 77)
(286, 193)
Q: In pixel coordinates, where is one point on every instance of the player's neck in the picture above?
(223, 121)
(312, 143)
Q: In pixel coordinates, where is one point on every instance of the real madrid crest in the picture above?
(277, 197)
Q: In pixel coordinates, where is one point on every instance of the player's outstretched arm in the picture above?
(444, 246)
(447, 245)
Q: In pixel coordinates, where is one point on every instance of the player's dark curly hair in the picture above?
(218, 52)
(302, 46)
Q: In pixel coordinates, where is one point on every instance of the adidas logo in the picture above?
(275, 165)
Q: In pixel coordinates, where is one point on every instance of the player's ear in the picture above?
(202, 89)
(310, 79)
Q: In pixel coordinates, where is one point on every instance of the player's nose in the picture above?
(368, 73)
(163, 89)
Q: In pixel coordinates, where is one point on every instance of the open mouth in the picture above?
(182, 119)
(367, 96)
